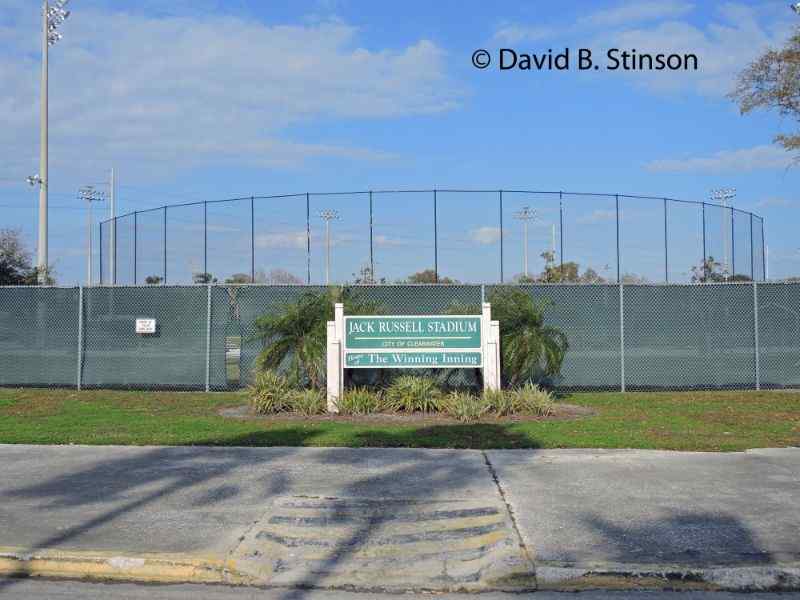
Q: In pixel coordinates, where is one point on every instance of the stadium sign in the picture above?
(411, 342)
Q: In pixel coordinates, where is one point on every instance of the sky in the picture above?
(206, 100)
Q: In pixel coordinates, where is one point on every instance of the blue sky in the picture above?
(204, 100)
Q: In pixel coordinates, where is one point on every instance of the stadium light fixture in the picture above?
(723, 196)
(33, 180)
(795, 7)
(328, 215)
(52, 17)
(525, 215)
(89, 194)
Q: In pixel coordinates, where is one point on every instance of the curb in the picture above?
(783, 577)
(111, 566)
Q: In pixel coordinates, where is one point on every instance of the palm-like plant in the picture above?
(530, 350)
(294, 338)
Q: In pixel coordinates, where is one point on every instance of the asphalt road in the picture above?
(37, 590)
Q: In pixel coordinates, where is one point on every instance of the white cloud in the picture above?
(485, 235)
(182, 92)
(732, 38)
(289, 239)
(774, 202)
(386, 241)
(726, 161)
(628, 13)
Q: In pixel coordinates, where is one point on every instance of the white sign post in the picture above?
(411, 341)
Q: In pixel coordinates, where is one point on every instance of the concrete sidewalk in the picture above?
(396, 519)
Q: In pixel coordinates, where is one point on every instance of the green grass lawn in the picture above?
(681, 421)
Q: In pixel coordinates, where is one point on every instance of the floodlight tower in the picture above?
(52, 17)
(795, 7)
(722, 196)
(525, 215)
(328, 215)
(89, 194)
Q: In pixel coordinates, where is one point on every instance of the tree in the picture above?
(278, 277)
(296, 337)
(709, 271)
(569, 272)
(238, 278)
(428, 276)
(772, 82)
(365, 276)
(530, 350)
(203, 278)
(15, 261)
(153, 279)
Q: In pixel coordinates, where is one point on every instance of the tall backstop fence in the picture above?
(377, 236)
(621, 337)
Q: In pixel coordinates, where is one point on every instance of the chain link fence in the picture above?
(621, 337)
(386, 236)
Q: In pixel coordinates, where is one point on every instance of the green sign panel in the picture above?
(411, 332)
(412, 360)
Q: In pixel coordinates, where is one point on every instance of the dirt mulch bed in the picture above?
(561, 412)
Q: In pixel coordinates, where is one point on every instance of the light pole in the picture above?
(525, 215)
(328, 215)
(89, 194)
(795, 7)
(52, 17)
(722, 196)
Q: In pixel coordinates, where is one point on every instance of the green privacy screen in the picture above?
(38, 336)
(636, 336)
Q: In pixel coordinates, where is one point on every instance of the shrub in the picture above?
(295, 337)
(270, 393)
(500, 402)
(465, 406)
(410, 393)
(533, 400)
(530, 350)
(308, 402)
(360, 401)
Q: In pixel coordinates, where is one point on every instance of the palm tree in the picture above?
(295, 337)
(530, 350)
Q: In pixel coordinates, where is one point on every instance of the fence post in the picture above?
(371, 246)
(619, 275)
(252, 240)
(435, 239)
(622, 336)
(756, 341)
(666, 245)
(502, 280)
(308, 238)
(135, 247)
(80, 336)
(208, 338)
(561, 232)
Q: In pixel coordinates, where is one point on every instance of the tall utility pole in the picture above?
(52, 17)
(328, 215)
(113, 237)
(525, 215)
(722, 196)
(89, 194)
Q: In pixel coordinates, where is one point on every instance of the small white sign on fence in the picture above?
(145, 326)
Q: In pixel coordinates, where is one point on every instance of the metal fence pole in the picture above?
(308, 238)
(101, 253)
(114, 254)
(435, 239)
(135, 247)
(165, 245)
(371, 250)
(756, 341)
(501, 237)
(622, 336)
(752, 249)
(763, 252)
(561, 230)
(616, 197)
(80, 337)
(252, 240)
(704, 265)
(208, 337)
(666, 245)
(205, 240)
(733, 245)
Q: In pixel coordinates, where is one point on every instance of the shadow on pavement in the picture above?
(123, 485)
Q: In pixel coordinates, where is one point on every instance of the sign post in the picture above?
(411, 342)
